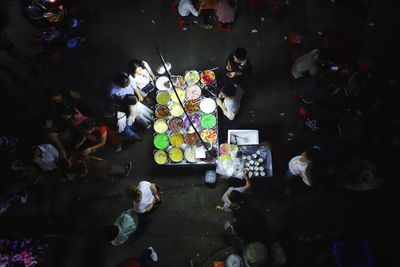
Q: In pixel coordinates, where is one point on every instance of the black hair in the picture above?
(122, 79)
(134, 64)
(235, 197)
(130, 99)
(87, 125)
(229, 90)
(110, 232)
(240, 53)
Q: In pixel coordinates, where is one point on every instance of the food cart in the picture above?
(175, 140)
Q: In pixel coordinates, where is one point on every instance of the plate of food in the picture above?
(192, 76)
(207, 77)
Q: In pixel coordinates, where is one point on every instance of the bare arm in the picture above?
(247, 186)
(53, 137)
(93, 148)
(139, 94)
(154, 191)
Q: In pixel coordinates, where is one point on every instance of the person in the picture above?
(229, 100)
(138, 111)
(300, 166)
(118, 232)
(119, 120)
(144, 78)
(306, 63)
(238, 65)
(73, 116)
(91, 167)
(225, 11)
(99, 134)
(145, 196)
(232, 198)
(46, 157)
(189, 13)
(121, 89)
(148, 254)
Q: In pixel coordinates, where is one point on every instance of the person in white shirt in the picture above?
(122, 88)
(46, 156)
(143, 78)
(139, 112)
(144, 196)
(189, 13)
(233, 196)
(229, 100)
(299, 166)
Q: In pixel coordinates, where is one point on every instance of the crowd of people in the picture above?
(336, 99)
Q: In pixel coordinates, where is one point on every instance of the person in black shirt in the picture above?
(238, 65)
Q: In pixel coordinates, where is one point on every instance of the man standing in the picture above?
(238, 65)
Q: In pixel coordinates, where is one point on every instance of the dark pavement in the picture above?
(186, 227)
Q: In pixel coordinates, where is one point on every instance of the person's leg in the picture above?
(147, 255)
(129, 132)
(113, 138)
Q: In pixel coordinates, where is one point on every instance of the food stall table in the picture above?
(175, 140)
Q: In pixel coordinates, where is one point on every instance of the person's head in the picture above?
(88, 126)
(110, 232)
(134, 193)
(311, 154)
(235, 197)
(130, 100)
(229, 91)
(136, 66)
(122, 79)
(240, 55)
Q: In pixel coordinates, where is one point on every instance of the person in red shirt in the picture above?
(99, 135)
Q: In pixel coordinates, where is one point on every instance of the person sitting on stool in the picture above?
(189, 13)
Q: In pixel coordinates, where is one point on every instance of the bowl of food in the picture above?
(191, 139)
(163, 97)
(163, 83)
(175, 124)
(207, 77)
(208, 121)
(208, 105)
(192, 106)
(160, 126)
(190, 154)
(192, 77)
(176, 110)
(181, 93)
(178, 81)
(195, 120)
(161, 157)
(176, 139)
(175, 154)
(161, 112)
(193, 92)
(161, 141)
(209, 136)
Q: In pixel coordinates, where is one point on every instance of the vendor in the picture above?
(229, 100)
(234, 195)
(143, 78)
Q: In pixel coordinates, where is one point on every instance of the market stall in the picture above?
(184, 114)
